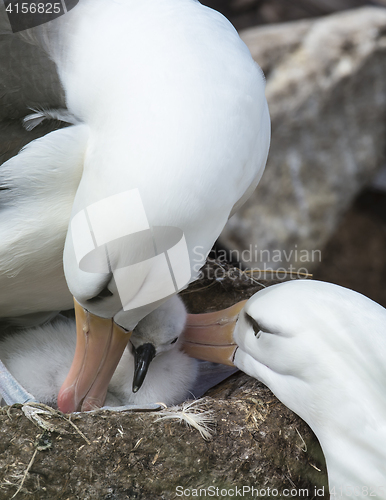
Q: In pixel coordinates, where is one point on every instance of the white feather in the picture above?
(321, 349)
(40, 358)
(38, 116)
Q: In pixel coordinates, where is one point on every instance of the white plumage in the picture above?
(40, 359)
(167, 103)
(321, 349)
(171, 103)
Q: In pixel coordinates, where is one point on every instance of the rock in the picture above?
(326, 88)
(360, 234)
(18, 95)
(244, 13)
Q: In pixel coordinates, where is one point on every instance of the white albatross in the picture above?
(321, 349)
(170, 134)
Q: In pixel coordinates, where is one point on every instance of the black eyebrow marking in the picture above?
(254, 324)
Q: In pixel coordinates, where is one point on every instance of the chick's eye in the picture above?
(254, 324)
(174, 341)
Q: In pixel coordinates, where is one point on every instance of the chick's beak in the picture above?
(209, 336)
(143, 356)
(99, 347)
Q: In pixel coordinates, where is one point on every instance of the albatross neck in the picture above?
(356, 461)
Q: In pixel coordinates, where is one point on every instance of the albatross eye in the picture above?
(174, 341)
(254, 324)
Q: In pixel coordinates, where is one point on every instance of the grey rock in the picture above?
(245, 13)
(326, 89)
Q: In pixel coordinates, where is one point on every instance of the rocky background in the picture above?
(320, 203)
(246, 13)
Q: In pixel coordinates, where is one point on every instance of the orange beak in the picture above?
(209, 336)
(99, 347)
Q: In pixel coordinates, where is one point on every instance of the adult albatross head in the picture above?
(321, 349)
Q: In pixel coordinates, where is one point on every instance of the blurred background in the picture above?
(321, 205)
(246, 13)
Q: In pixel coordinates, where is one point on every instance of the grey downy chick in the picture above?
(158, 333)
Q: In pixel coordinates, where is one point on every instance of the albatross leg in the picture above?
(10, 389)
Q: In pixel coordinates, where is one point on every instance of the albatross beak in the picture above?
(143, 356)
(209, 336)
(99, 347)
